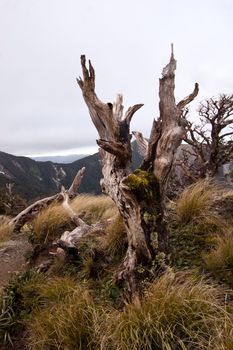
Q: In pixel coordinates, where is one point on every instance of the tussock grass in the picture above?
(194, 223)
(220, 260)
(16, 302)
(115, 240)
(57, 288)
(176, 313)
(72, 324)
(194, 205)
(6, 229)
(94, 208)
(50, 223)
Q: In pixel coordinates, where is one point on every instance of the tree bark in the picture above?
(138, 195)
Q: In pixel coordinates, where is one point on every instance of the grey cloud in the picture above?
(41, 107)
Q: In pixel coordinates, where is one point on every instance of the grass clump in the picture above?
(50, 223)
(94, 208)
(220, 259)
(71, 324)
(194, 223)
(176, 313)
(194, 205)
(115, 240)
(17, 301)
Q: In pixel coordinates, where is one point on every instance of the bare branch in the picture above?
(76, 183)
(33, 209)
(130, 112)
(141, 142)
(181, 105)
(113, 147)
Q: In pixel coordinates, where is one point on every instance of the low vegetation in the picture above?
(79, 305)
(195, 224)
(194, 205)
(220, 259)
(94, 208)
(176, 313)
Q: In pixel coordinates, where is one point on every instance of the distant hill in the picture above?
(60, 159)
(36, 179)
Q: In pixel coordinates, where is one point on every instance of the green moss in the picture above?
(143, 183)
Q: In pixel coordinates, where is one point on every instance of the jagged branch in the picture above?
(169, 132)
(32, 210)
(113, 147)
(183, 103)
(107, 117)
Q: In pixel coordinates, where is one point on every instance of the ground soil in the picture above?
(12, 257)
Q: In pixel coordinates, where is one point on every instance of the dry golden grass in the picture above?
(70, 323)
(220, 260)
(176, 313)
(194, 206)
(6, 229)
(94, 208)
(115, 240)
(195, 201)
(50, 223)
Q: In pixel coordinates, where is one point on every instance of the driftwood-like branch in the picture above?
(33, 209)
(183, 103)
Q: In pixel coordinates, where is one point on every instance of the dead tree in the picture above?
(211, 141)
(139, 194)
(32, 210)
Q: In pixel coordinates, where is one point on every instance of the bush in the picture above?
(176, 313)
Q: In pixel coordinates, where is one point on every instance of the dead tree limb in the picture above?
(29, 213)
(138, 195)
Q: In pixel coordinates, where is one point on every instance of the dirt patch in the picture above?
(12, 257)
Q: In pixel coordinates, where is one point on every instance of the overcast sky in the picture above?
(128, 41)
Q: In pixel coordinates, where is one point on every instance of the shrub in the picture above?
(220, 260)
(176, 313)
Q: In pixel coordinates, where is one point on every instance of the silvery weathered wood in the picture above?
(138, 195)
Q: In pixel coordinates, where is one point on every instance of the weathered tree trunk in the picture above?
(138, 195)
